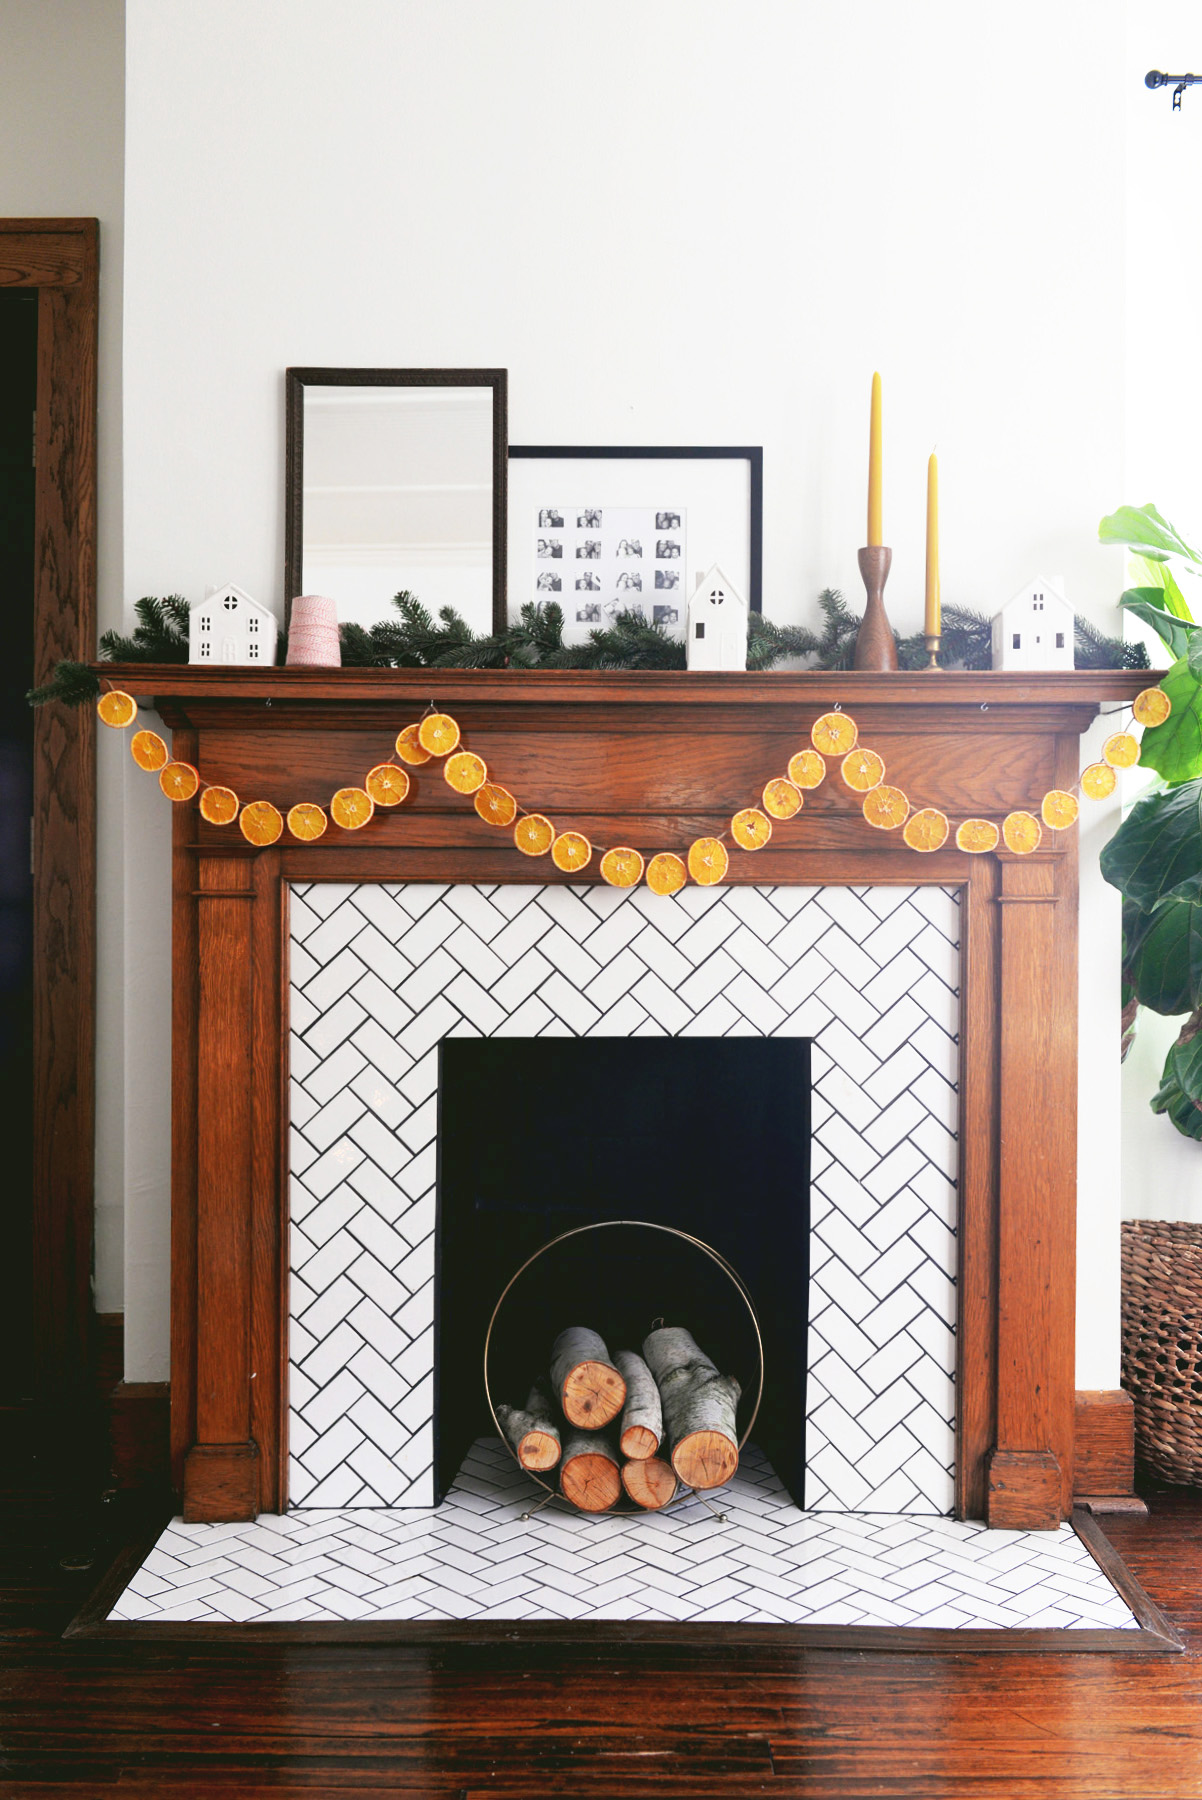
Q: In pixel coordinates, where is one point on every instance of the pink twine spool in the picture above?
(313, 633)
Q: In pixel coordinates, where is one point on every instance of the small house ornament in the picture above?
(228, 627)
(716, 633)
(1034, 630)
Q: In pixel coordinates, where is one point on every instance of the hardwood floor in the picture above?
(457, 1722)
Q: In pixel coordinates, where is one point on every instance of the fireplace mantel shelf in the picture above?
(186, 693)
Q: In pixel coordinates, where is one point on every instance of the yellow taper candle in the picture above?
(932, 627)
(874, 465)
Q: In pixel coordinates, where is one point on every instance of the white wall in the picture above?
(62, 78)
(1162, 1171)
(692, 221)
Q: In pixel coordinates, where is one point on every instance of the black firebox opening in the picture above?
(538, 1135)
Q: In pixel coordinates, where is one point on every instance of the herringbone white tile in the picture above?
(475, 1557)
(389, 970)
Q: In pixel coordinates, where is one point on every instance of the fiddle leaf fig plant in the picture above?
(1155, 856)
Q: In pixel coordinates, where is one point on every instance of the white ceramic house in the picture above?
(229, 627)
(1034, 630)
(716, 633)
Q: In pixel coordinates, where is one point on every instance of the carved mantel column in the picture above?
(221, 1480)
(1030, 1469)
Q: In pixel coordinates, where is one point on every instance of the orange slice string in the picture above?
(495, 805)
(708, 861)
(834, 734)
(534, 834)
(1059, 810)
(352, 808)
(807, 769)
(1098, 781)
(219, 805)
(1152, 706)
(751, 828)
(783, 799)
(666, 873)
(438, 733)
(306, 821)
(260, 823)
(571, 851)
(386, 785)
(1021, 833)
(885, 807)
(465, 772)
(117, 708)
(409, 749)
(1121, 751)
(976, 836)
(148, 751)
(622, 867)
(926, 830)
(178, 780)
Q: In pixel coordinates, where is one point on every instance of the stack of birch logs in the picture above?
(638, 1424)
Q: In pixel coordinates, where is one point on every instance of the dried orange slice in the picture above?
(926, 830)
(351, 808)
(863, 769)
(260, 822)
(834, 734)
(408, 748)
(117, 708)
(386, 784)
(438, 733)
(782, 798)
(178, 780)
(666, 874)
(708, 861)
(622, 868)
(496, 805)
(807, 769)
(465, 772)
(1121, 751)
(977, 836)
(306, 821)
(148, 750)
(1059, 810)
(886, 807)
(1021, 833)
(534, 835)
(571, 851)
(1152, 706)
(219, 805)
(751, 828)
(1098, 781)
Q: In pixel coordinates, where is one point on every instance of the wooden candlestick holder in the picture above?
(876, 647)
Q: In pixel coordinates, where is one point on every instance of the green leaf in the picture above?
(1171, 628)
(1193, 655)
(1180, 1092)
(1142, 528)
(1164, 956)
(1174, 749)
(1156, 853)
(1160, 575)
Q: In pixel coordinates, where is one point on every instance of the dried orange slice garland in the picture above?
(833, 734)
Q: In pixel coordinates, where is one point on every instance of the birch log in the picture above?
(699, 1408)
(649, 1481)
(642, 1415)
(589, 1474)
(584, 1379)
(532, 1430)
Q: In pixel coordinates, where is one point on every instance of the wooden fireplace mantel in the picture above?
(654, 760)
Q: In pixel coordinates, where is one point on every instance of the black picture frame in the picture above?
(296, 380)
(753, 455)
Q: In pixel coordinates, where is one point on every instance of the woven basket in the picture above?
(1162, 1343)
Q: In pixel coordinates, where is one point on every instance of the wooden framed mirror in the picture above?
(396, 480)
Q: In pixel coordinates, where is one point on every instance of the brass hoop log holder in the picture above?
(876, 647)
(720, 1262)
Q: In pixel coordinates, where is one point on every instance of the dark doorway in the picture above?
(707, 1135)
(18, 401)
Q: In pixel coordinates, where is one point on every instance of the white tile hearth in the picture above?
(475, 1558)
(381, 972)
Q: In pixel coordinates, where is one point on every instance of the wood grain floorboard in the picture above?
(459, 1721)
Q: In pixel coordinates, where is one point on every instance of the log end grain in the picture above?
(705, 1459)
(591, 1482)
(593, 1394)
(651, 1483)
(538, 1450)
(638, 1443)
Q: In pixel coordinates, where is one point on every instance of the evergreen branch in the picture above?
(73, 683)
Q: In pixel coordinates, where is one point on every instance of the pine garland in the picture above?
(415, 640)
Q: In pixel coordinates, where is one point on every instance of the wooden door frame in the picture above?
(60, 258)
